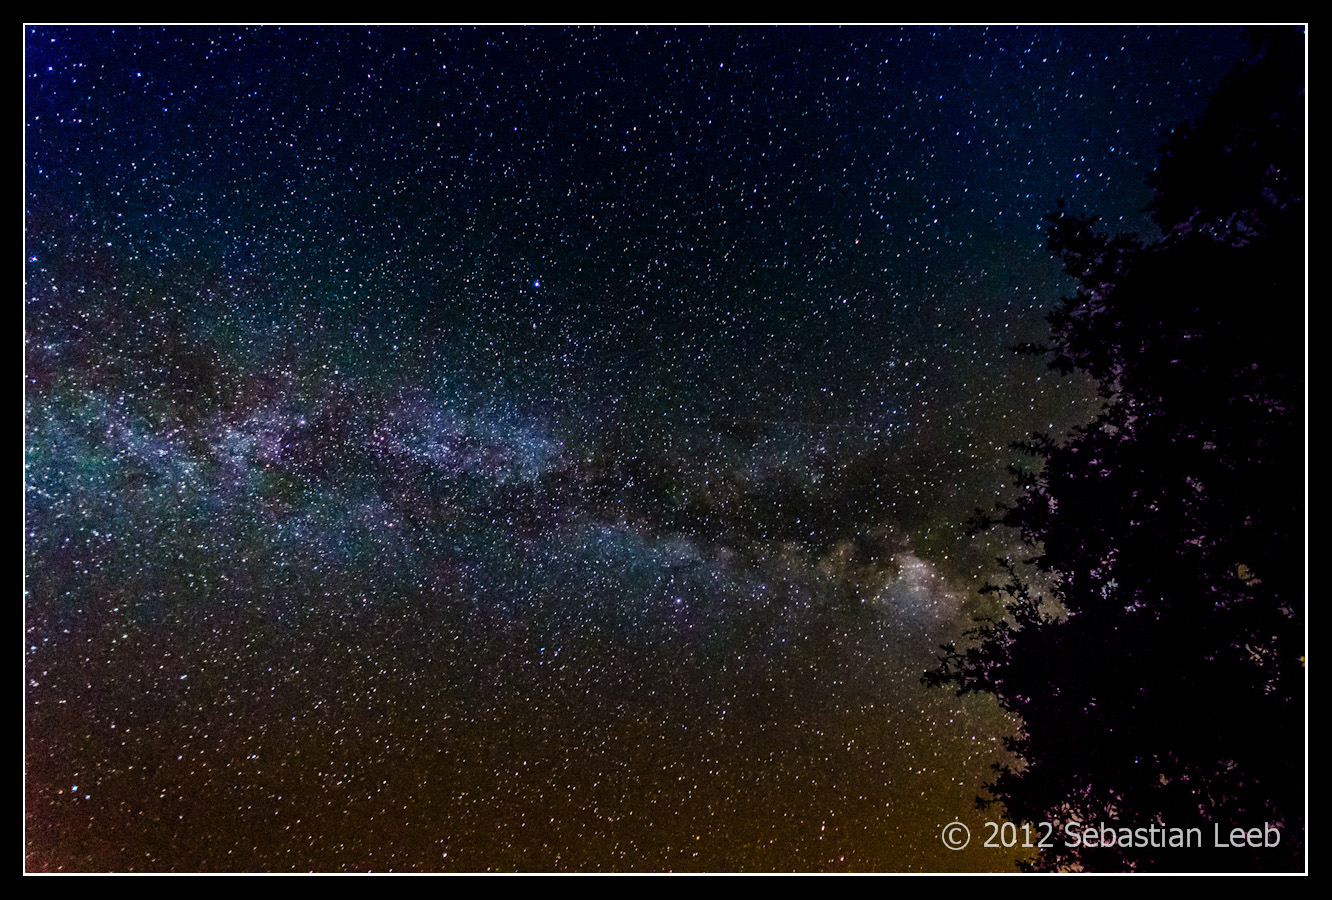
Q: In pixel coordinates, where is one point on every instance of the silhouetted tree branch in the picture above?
(1170, 691)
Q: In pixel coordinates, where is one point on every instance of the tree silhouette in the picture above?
(1161, 681)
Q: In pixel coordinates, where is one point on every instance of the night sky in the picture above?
(541, 449)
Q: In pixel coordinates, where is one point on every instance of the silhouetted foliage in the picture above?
(1163, 683)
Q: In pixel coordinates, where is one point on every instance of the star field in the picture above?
(540, 449)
